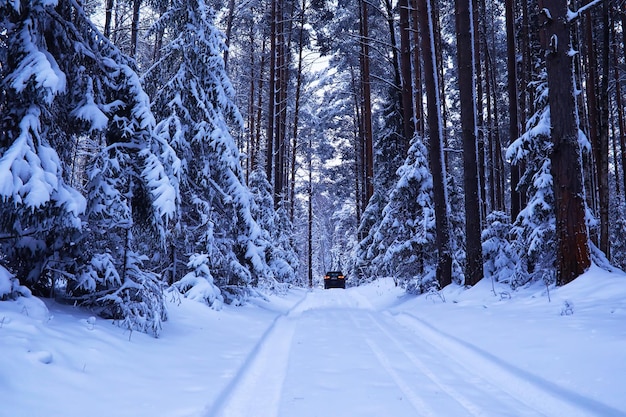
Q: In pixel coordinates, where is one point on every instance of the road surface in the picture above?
(334, 355)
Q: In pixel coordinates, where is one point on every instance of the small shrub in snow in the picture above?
(568, 308)
(198, 284)
(499, 255)
(10, 287)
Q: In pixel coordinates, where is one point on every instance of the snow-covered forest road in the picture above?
(367, 351)
(334, 354)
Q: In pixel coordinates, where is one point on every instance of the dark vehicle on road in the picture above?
(334, 279)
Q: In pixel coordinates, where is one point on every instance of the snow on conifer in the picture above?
(193, 100)
(67, 85)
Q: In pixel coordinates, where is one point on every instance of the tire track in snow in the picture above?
(258, 384)
(465, 402)
(421, 407)
(544, 396)
(468, 393)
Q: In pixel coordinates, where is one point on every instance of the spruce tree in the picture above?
(193, 99)
(67, 86)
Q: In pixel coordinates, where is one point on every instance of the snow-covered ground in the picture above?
(367, 351)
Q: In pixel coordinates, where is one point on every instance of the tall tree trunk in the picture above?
(359, 170)
(134, 31)
(603, 135)
(405, 69)
(310, 215)
(366, 112)
(158, 38)
(494, 133)
(251, 107)
(467, 89)
(395, 60)
(478, 6)
(489, 127)
(526, 105)
(511, 67)
(259, 105)
(573, 254)
(271, 107)
(108, 17)
(417, 72)
(621, 127)
(229, 30)
(591, 84)
(435, 129)
(296, 115)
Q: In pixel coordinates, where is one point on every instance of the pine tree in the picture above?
(69, 86)
(277, 231)
(534, 227)
(39, 210)
(193, 98)
(406, 235)
(499, 254)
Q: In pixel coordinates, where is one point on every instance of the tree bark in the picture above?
(296, 116)
(620, 121)
(477, 6)
(134, 32)
(435, 129)
(603, 136)
(405, 70)
(229, 30)
(513, 107)
(417, 72)
(573, 254)
(271, 107)
(467, 89)
(366, 112)
(108, 17)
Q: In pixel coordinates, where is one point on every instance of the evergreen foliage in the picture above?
(499, 254)
(65, 83)
(534, 229)
(193, 98)
(276, 230)
(405, 237)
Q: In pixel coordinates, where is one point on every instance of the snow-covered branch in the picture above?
(571, 16)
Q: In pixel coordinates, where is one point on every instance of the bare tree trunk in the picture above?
(134, 32)
(480, 120)
(405, 69)
(467, 88)
(621, 127)
(366, 111)
(573, 254)
(417, 72)
(526, 105)
(359, 169)
(590, 61)
(296, 115)
(489, 126)
(271, 109)
(229, 30)
(310, 215)
(603, 136)
(395, 60)
(435, 128)
(158, 39)
(494, 133)
(514, 130)
(279, 126)
(250, 161)
(108, 17)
